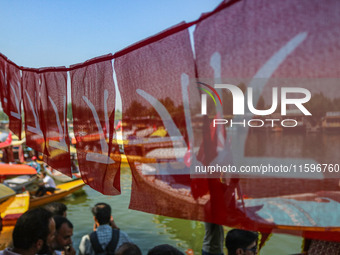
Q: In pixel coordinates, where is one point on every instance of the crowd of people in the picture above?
(46, 230)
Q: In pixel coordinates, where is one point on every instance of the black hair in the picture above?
(128, 249)
(60, 220)
(56, 208)
(102, 213)
(164, 249)
(30, 227)
(239, 238)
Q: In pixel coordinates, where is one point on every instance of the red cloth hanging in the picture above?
(93, 98)
(54, 105)
(261, 44)
(3, 83)
(155, 83)
(33, 111)
(14, 90)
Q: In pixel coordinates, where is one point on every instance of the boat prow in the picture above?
(61, 191)
(6, 197)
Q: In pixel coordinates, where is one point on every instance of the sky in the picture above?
(43, 33)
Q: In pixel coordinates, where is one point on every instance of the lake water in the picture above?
(148, 230)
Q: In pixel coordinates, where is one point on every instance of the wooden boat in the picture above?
(21, 183)
(60, 177)
(61, 191)
(331, 122)
(152, 149)
(7, 170)
(24, 175)
(183, 203)
(19, 205)
(289, 214)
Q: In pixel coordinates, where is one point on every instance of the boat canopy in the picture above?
(5, 193)
(12, 169)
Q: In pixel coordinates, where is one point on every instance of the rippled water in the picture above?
(148, 230)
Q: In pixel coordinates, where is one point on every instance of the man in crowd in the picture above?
(33, 233)
(57, 208)
(106, 237)
(241, 242)
(128, 249)
(62, 243)
(164, 249)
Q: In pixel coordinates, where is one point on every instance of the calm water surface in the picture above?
(148, 230)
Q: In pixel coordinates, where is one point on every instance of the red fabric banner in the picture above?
(33, 111)
(54, 104)
(93, 97)
(258, 46)
(14, 99)
(3, 84)
(155, 85)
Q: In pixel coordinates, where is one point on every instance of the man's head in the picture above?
(164, 249)
(128, 249)
(240, 242)
(34, 231)
(57, 208)
(64, 232)
(102, 213)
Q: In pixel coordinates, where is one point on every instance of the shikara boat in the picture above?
(21, 183)
(61, 191)
(162, 194)
(10, 215)
(60, 177)
(24, 175)
(7, 170)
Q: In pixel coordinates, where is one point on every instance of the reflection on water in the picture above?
(187, 233)
(78, 198)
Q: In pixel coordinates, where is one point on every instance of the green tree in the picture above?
(3, 116)
(118, 115)
(136, 109)
(318, 105)
(169, 104)
(336, 104)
